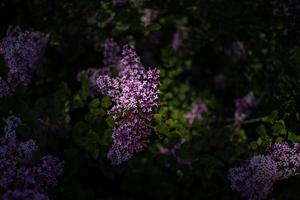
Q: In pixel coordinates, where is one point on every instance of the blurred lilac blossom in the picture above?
(243, 106)
(255, 178)
(22, 51)
(196, 113)
(172, 151)
(178, 38)
(148, 16)
(238, 49)
(19, 177)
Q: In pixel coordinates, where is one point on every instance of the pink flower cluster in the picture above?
(149, 16)
(255, 178)
(178, 38)
(243, 106)
(135, 93)
(196, 113)
(172, 151)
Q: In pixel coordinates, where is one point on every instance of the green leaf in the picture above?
(157, 117)
(110, 122)
(279, 128)
(261, 129)
(106, 102)
(271, 118)
(94, 104)
(162, 129)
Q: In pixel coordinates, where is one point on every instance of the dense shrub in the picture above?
(145, 99)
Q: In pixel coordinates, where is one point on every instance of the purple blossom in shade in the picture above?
(148, 16)
(238, 49)
(20, 178)
(178, 38)
(111, 60)
(22, 51)
(179, 173)
(5, 88)
(119, 2)
(220, 81)
(172, 151)
(255, 178)
(286, 158)
(243, 106)
(111, 53)
(135, 93)
(92, 74)
(24, 195)
(196, 113)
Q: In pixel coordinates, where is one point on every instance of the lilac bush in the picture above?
(20, 177)
(255, 178)
(22, 50)
(135, 94)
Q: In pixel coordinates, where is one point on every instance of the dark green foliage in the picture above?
(73, 124)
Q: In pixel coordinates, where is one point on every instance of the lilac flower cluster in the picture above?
(119, 2)
(19, 177)
(5, 88)
(111, 52)
(111, 60)
(243, 106)
(287, 158)
(255, 178)
(22, 50)
(148, 16)
(238, 49)
(172, 151)
(178, 38)
(135, 93)
(196, 113)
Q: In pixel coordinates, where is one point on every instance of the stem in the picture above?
(250, 121)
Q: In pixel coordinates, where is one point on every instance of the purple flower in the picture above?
(24, 195)
(178, 38)
(111, 53)
(135, 95)
(148, 16)
(5, 88)
(172, 151)
(255, 178)
(287, 158)
(243, 106)
(22, 51)
(20, 178)
(119, 2)
(111, 60)
(196, 113)
(238, 49)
